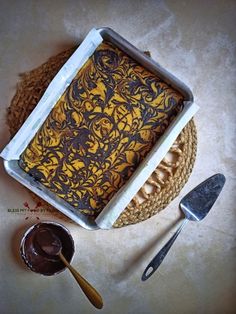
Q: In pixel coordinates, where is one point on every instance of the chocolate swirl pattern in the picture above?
(100, 129)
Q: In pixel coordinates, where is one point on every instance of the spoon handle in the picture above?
(90, 292)
(158, 259)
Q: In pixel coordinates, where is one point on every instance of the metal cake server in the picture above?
(195, 206)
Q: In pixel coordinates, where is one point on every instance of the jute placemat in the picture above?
(164, 184)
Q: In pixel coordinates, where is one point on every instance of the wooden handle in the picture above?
(93, 296)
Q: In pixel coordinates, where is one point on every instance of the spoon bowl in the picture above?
(48, 243)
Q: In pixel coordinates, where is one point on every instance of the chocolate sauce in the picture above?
(36, 258)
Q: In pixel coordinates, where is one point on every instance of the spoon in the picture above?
(195, 206)
(51, 245)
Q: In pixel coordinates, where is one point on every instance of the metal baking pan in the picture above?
(122, 198)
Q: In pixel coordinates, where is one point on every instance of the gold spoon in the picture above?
(51, 245)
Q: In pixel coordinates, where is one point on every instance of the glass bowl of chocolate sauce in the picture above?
(36, 259)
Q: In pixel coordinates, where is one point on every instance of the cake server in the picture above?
(195, 206)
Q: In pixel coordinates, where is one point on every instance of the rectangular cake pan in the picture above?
(62, 80)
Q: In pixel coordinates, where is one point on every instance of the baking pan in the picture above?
(111, 211)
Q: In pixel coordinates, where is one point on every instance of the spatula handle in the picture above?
(158, 259)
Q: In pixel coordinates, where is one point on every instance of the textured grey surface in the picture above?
(197, 42)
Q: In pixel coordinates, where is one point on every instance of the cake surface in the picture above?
(101, 128)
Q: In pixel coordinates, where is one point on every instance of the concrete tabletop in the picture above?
(196, 41)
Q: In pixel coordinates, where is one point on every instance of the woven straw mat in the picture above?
(166, 181)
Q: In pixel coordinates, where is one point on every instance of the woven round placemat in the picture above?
(163, 185)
